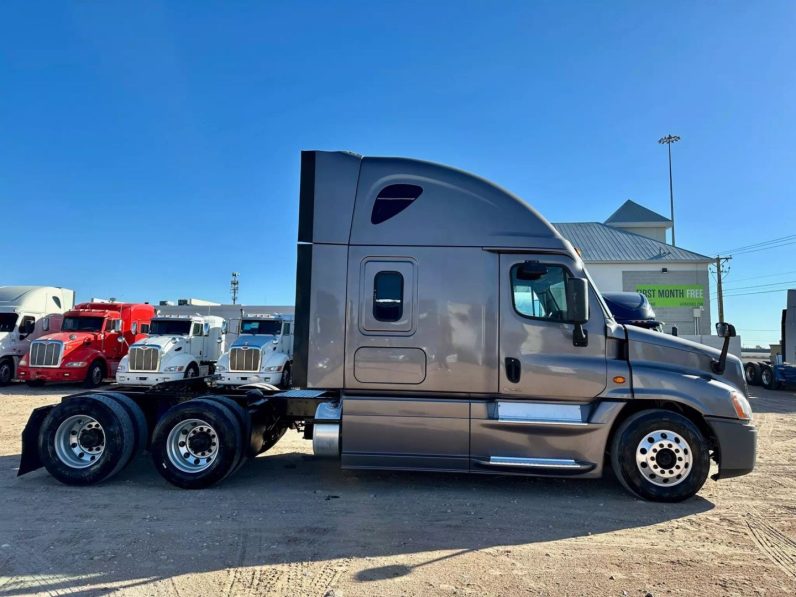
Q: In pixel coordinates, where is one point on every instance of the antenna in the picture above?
(233, 287)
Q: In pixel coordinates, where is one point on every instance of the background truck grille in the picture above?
(144, 358)
(45, 353)
(244, 359)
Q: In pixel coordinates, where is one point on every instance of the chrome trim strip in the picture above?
(562, 423)
(539, 412)
(546, 463)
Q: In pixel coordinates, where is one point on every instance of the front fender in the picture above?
(704, 394)
(275, 359)
(176, 359)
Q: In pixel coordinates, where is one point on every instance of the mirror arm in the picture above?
(720, 365)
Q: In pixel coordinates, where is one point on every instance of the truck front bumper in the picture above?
(737, 446)
(239, 379)
(51, 374)
(136, 378)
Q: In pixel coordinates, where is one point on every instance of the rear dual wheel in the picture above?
(200, 442)
(89, 438)
(752, 373)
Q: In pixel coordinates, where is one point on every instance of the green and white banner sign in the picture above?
(674, 295)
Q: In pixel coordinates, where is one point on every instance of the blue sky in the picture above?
(148, 149)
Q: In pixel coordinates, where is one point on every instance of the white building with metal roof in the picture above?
(628, 252)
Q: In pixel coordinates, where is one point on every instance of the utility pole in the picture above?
(668, 140)
(233, 287)
(719, 291)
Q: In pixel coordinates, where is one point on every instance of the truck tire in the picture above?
(6, 371)
(138, 418)
(752, 373)
(767, 379)
(287, 377)
(86, 439)
(191, 370)
(95, 375)
(245, 423)
(196, 444)
(660, 456)
(270, 440)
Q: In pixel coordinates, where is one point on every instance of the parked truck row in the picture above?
(441, 324)
(45, 338)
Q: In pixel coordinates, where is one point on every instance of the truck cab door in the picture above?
(547, 375)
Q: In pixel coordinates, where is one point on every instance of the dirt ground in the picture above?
(288, 524)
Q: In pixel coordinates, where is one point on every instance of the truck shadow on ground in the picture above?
(287, 510)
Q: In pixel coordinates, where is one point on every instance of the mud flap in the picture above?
(29, 461)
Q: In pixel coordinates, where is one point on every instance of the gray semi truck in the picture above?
(441, 324)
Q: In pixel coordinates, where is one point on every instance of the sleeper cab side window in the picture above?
(392, 200)
(388, 296)
(539, 291)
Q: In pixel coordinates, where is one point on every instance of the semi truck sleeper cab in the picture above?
(442, 324)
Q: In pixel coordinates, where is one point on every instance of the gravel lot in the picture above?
(288, 524)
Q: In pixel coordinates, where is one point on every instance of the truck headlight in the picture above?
(175, 368)
(277, 368)
(23, 363)
(220, 368)
(741, 406)
(121, 368)
(75, 364)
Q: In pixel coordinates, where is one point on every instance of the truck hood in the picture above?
(72, 338)
(164, 343)
(670, 352)
(253, 341)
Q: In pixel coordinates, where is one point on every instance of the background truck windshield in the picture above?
(7, 322)
(170, 327)
(82, 324)
(261, 326)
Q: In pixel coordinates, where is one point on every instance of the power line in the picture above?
(765, 276)
(734, 288)
(748, 293)
(765, 242)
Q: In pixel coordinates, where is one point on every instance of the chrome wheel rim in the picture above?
(664, 458)
(750, 374)
(96, 375)
(192, 445)
(79, 441)
(765, 377)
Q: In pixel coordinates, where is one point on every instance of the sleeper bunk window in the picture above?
(388, 296)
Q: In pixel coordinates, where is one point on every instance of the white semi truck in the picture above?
(262, 352)
(178, 347)
(26, 313)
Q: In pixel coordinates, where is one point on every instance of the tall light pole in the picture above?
(233, 287)
(668, 140)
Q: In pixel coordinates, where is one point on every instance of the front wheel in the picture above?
(191, 371)
(660, 455)
(6, 371)
(287, 377)
(96, 373)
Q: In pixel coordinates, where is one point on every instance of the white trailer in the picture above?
(178, 347)
(262, 352)
(26, 313)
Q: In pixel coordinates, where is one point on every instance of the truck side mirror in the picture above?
(726, 331)
(577, 290)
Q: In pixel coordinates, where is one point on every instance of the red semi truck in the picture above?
(93, 339)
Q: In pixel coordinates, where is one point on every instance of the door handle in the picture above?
(513, 370)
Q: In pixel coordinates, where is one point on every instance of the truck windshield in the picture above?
(7, 322)
(82, 324)
(170, 327)
(264, 327)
